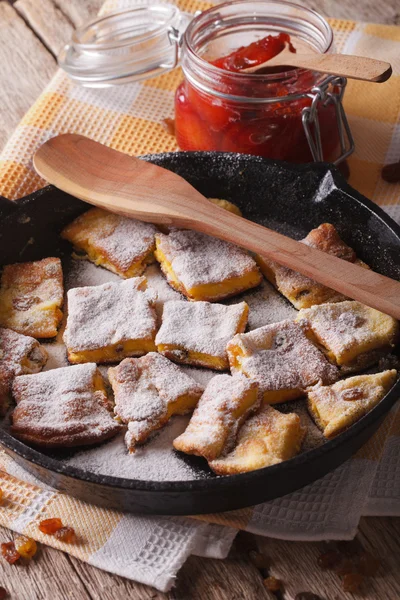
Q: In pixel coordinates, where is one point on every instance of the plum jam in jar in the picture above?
(290, 114)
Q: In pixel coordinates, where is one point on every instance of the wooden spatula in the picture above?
(344, 65)
(135, 188)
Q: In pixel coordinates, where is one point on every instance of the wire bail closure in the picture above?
(175, 39)
(330, 91)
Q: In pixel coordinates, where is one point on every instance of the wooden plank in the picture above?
(48, 575)
(295, 563)
(234, 578)
(78, 11)
(375, 11)
(26, 67)
(49, 23)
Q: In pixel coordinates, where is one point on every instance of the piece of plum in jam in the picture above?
(254, 54)
(212, 120)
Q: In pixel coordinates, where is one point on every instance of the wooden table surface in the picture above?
(31, 34)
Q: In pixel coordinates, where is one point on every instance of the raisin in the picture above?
(368, 565)
(345, 567)
(352, 394)
(23, 303)
(25, 546)
(307, 596)
(282, 342)
(328, 560)
(391, 173)
(10, 553)
(178, 354)
(169, 125)
(50, 526)
(272, 584)
(3, 593)
(1, 491)
(352, 582)
(302, 294)
(66, 534)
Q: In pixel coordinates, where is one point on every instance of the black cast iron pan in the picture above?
(292, 199)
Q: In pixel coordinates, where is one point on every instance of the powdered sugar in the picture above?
(223, 407)
(31, 296)
(123, 241)
(19, 354)
(109, 314)
(62, 407)
(200, 326)
(199, 259)
(349, 328)
(202, 376)
(57, 354)
(265, 306)
(145, 386)
(155, 461)
(15, 347)
(147, 390)
(280, 357)
(336, 407)
(159, 284)
(83, 273)
(267, 438)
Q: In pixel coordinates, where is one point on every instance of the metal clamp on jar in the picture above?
(294, 114)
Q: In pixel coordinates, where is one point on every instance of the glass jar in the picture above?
(292, 115)
(295, 115)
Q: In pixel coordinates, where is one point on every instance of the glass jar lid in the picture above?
(125, 46)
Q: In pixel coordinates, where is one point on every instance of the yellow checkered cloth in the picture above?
(128, 118)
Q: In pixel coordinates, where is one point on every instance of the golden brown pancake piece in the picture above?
(62, 408)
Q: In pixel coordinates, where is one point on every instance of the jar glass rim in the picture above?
(250, 76)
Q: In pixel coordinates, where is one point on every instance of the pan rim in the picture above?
(224, 483)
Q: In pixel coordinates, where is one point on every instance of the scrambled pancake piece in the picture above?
(62, 408)
(226, 403)
(229, 206)
(281, 359)
(267, 438)
(300, 290)
(19, 355)
(121, 245)
(108, 322)
(205, 268)
(352, 335)
(31, 297)
(334, 408)
(148, 391)
(196, 333)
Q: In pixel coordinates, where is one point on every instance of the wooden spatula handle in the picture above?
(136, 188)
(351, 280)
(343, 65)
